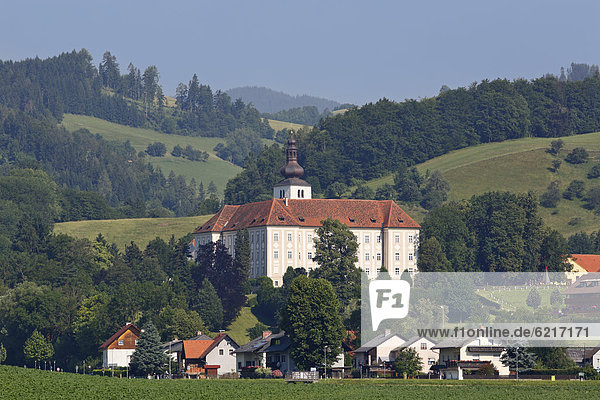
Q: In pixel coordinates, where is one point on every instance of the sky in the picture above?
(348, 51)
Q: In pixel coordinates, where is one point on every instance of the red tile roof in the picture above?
(201, 348)
(589, 262)
(310, 213)
(121, 331)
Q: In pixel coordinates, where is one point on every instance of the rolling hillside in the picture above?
(139, 230)
(214, 169)
(279, 125)
(519, 166)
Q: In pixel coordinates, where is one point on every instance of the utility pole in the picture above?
(325, 364)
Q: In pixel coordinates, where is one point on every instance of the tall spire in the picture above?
(292, 169)
(292, 187)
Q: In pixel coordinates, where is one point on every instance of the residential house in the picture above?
(282, 230)
(211, 358)
(582, 264)
(583, 296)
(118, 349)
(174, 348)
(273, 351)
(424, 348)
(457, 355)
(377, 351)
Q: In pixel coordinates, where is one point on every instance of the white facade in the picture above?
(463, 353)
(113, 358)
(428, 355)
(223, 356)
(275, 248)
(292, 191)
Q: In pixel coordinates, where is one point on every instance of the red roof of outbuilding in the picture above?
(310, 213)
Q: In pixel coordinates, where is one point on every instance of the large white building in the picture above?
(283, 230)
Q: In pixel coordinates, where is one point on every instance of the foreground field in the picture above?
(519, 166)
(214, 169)
(139, 230)
(18, 383)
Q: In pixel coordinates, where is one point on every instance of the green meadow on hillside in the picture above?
(214, 169)
(140, 230)
(279, 125)
(29, 383)
(519, 166)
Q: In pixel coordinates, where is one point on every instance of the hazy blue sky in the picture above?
(344, 50)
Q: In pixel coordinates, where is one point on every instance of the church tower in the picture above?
(292, 187)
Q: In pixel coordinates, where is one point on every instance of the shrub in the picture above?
(578, 156)
(277, 374)
(575, 189)
(594, 172)
(487, 370)
(156, 149)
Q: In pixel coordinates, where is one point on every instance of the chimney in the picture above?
(198, 333)
(286, 201)
(266, 334)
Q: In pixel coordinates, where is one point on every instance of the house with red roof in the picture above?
(282, 230)
(210, 358)
(118, 349)
(583, 264)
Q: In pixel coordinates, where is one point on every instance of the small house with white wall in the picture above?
(457, 355)
(211, 358)
(118, 349)
(378, 350)
(425, 350)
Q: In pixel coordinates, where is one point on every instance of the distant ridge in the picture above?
(270, 101)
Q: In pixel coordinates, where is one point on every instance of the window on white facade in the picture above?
(397, 256)
(275, 237)
(423, 346)
(396, 238)
(276, 254)
(367, 238)
(276, 283)
(378, 270)
(410, 256)
(378, 256)
(220, 352)
(309, 256)
(431, 361)
(289, 237)
(397, 271)
(367, 270)
(309, 236)
(411, 270)
(410, 238)
(378, 238)
(289, 254)
(299, 256)
(367, 256)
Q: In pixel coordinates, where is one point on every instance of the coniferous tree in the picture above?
(209, 307)
(148, 357)
(518, 359)
(2, 353)
(534, 300)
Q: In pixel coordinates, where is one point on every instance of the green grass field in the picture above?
(140, 230)
(279, 125)
(514, 299)
(518, 166)
(238, 328)
(214, 169)
(19, 383)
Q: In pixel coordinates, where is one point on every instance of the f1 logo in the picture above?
(389, 300)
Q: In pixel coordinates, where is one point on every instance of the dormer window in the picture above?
(301, 219)
(350, 219)
(373, 220)
(281, 218)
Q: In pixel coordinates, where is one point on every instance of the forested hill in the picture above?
(70, 83)
(270, 101)
(381, 138)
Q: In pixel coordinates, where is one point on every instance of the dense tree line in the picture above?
(76, 293)
(70, 83)
(307, 115)
(84, 162)
(495, 231)
(270, 101)
(204, 113)
(384, 137)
